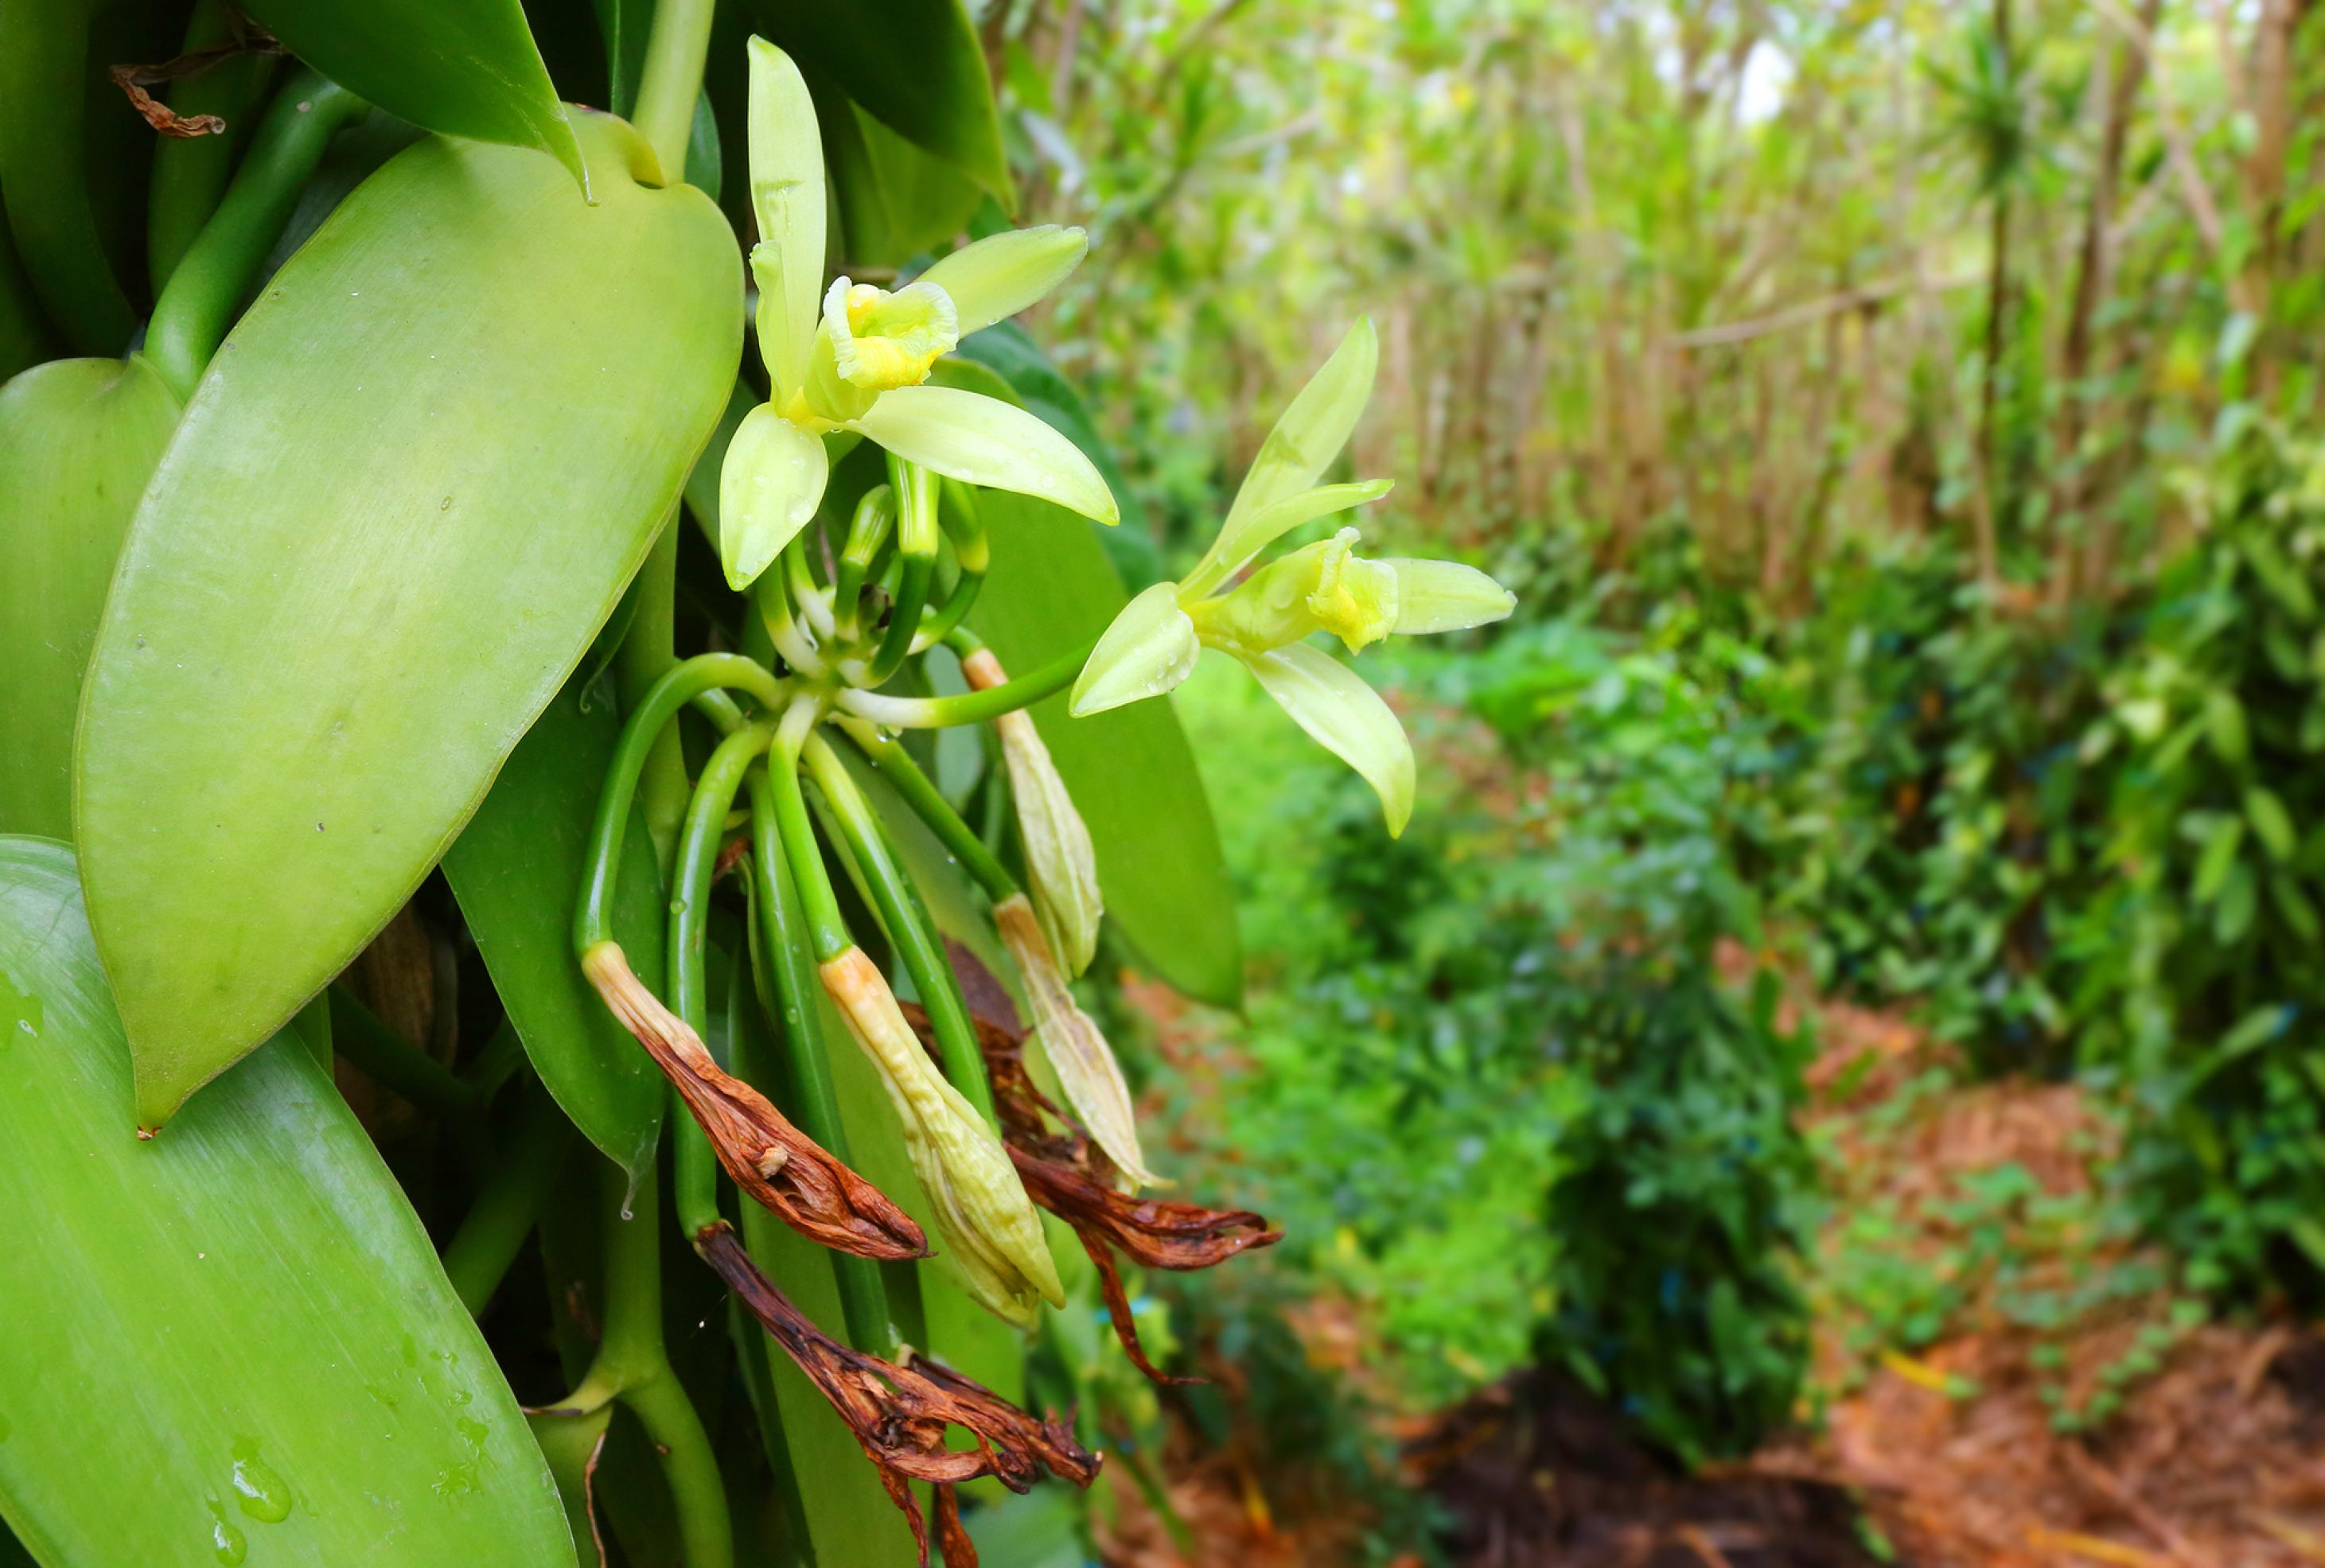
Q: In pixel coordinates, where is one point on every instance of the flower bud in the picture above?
(1085, 1063)
(1060, 865)
(978, 1205)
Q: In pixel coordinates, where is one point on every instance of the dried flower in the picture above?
(767, 1156)
(1066, 1175)
(899, 1413)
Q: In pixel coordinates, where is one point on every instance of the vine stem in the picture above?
(192, 317)
(917, 944)
(783, 959)
(672, 80)
(633, 1366)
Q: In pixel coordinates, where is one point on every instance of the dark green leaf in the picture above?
(915, 65)
(516, 870)
(466, 68)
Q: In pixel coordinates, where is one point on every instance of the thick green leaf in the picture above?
(467, 68)
(914, 65)
(893, 201)
(78, 438)
(516, 870)
(234, 1341)
(406, 494)
(1130, 770)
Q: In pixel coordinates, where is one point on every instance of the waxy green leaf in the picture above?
(234, 1341)
(516, 870)
(1129, 771)
(406, 494)
(914, 65)
(78, 438)
(467, 68)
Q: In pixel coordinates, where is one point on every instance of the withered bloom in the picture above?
(768, 1157)
(1067, 1175)
(899, 1413)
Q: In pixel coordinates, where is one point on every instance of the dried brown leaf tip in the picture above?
(1067, 1174)
(899, 1414)
(774, 1162)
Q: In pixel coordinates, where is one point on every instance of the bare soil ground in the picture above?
(1950, 1457)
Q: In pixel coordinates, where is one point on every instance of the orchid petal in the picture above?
(1347, 717)
(1003, 273)
(1446, 596)
(1242, 539)
(768, 488)
(1148, 649)
(787, 194)
(982, 440)
(1312, 430)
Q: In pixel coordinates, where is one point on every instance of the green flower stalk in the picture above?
(855, 358)
(1326, 587)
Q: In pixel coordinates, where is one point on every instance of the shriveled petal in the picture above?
(983, 1218)
(1001, 274)
(787, 195)
(1446, 596)
(768, 488)
(1240, 540)
(982, 440)
(1347, 717)
(1313, 430)
(901, 1411)
(1147, 650)
(769, 1158)
(1085, 1063)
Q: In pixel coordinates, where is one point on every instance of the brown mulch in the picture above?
(2213, 1462)
(1949, 1455)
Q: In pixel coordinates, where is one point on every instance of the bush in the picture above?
(2207, 995)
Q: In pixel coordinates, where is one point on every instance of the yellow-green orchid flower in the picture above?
(853, 357)
(1325, 586)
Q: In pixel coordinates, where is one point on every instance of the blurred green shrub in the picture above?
(2206, 991)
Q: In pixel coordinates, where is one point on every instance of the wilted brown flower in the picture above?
(768, 1157)
(899, 1413)
(1067, 1175)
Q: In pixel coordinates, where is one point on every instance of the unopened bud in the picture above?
(1085, 1063)
(983, 1219)
(1060, 865)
